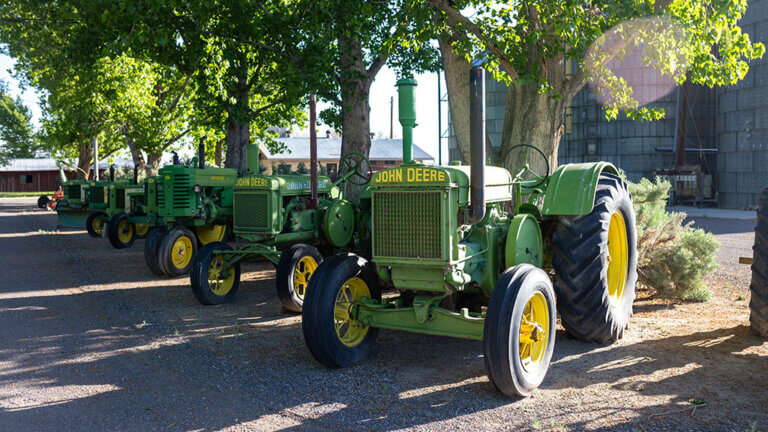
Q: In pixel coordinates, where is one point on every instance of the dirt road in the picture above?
(91, 340)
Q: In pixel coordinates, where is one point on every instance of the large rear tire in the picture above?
(120, 231)
(296, 266)
(152, 250)
(519, 332)
(758, 303)
(177, 251)
(43, 201)
(333, 338)
(95, 224)
(595, 262)
(208, 286)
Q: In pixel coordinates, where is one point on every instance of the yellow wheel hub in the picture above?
(618, 257)
(141, 229)
(534, 332)
(349, 331)
(301, 274)
(211, 233)
(124, 231)
(98, 226)
(216, 282)
(182, 252)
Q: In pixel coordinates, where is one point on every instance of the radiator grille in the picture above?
(182, 191)
(407, 224)
(251, 210)
(120, 198)
(73, 192)
(161, 197)
(96, 194)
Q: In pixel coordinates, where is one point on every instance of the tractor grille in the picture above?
(120, 199)
(161, 197)
(97, 194)
(73, 192)
(182, 191)
(407, 224)
(251, 210)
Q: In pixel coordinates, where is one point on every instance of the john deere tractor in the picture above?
(98, 193)
(465, 248)
(281, 218)
(194, 207)
(72, 208)
(125, 199)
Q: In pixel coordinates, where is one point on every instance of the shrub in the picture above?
(672, 257)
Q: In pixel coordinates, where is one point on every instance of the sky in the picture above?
(383, 88)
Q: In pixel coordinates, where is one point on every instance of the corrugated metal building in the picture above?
(40, 175)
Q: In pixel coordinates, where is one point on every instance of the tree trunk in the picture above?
(238, 131)
(535, 119)
(355, 110)
(457, 81)
(217, 152)
(153, 164)
(84, 158)
(136, 155)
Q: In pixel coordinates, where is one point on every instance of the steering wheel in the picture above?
(525, 167)
(351, 169)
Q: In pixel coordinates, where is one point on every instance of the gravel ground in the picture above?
(92, 340)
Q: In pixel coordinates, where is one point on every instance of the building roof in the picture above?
(330, 148)
(49, 164)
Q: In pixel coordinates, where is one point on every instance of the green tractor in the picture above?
(97, 194)
(125, 199)
(194, 208)
(72, 207)
(468, 250)
(285, 219)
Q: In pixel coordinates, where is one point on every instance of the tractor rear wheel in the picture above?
(208, 284)
(95, 224)
(211, 233)
(43, 201)
(519, 332)
(152, 249)
(296, 265)
(333, 337)
(758, 303)
(595, 263)
(177, 251)
(120, 231)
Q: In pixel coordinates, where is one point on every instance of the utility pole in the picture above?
(391, 116)
(95, 145)
(439, 121)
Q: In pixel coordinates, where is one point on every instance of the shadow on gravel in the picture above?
(722, 226)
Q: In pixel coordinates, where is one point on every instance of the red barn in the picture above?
(37, 175)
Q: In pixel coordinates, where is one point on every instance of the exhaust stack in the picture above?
(112, 172)
(201, 153)
(135, 174)
(406, 115)
(477, 144)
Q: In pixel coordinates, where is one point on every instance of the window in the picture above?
(26, 179)
(568, 120)
(592, 149)
(390, 162)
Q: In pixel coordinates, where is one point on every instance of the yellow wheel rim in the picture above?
(141, 229)
(534, 332)
(219, 285)
(618, 257)
(211, 233)
(301, 274)
(124, 231)
(182, 252)
(98, 226)
(349, 331)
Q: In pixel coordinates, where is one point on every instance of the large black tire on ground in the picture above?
(581, 261)
(758, 304)
(43, 201)
(94, 219)
(152, 250)
(501, 333)
(169, 248)
(293, 260)
(199, 276)
(118, 225)
(318, 315)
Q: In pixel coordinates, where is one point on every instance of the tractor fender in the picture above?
(571, 188)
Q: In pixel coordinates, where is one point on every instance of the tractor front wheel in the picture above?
(120, 231)
(331, 333)
(595, 263)
(177, 251)
(95, 224)
(211, 233)
(141, 229)
(152, 250)
(211, 283)
(519, 332)
(296, 265)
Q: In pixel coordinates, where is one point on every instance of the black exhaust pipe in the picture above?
(477, 144)
(135, 174)
(176, 158)
(201, 153)
(112, 172)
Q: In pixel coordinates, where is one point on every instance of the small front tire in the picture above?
(120, 231)
(333, 337)
(296, 266)
(152, 250)
(95, 224)
(205, 278)
(519, 332)
(177, 251)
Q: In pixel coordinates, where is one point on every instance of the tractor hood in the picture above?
(287, 184)
(415, 175)
(208, 176)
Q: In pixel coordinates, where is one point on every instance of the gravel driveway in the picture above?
(91, 340)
